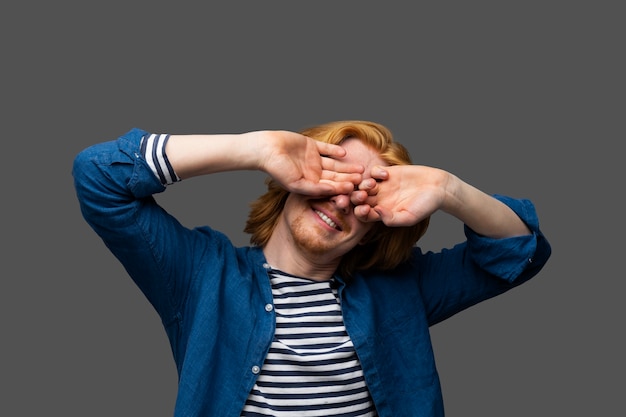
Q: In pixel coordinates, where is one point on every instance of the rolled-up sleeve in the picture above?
(481, 267)
(508, 258)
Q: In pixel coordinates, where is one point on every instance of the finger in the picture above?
(319, 189)
(394, 219)
(386, 216)
(369, 185)
(330, 187)
(310, 188)
(365, 213)
(331, 164)
(329, 149)
(379, 173)
(359, 197)
(352, 178)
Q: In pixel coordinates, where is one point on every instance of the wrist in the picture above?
(260, 147)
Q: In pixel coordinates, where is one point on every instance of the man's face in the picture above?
(327, 226)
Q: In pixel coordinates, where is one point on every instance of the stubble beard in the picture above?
(309, 238)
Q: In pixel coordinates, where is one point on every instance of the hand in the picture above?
(400, 195)
(307, 166)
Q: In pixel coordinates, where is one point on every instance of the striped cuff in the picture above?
(153, 151)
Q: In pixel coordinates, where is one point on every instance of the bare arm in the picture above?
(481, 212)
(406, 194)
(298, 163)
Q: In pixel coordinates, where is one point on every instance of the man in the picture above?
(327, 313)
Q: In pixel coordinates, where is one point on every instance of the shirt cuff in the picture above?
(507, 257)
(153, 151)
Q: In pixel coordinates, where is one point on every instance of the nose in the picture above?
(342, 202)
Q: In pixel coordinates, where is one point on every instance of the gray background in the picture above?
(519, 98)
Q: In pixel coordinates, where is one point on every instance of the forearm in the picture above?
(193, 155)
(481, 212)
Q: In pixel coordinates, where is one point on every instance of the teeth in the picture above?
(326, 219)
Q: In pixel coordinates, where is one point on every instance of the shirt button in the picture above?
(269, 307)
(256, 369)
(266, 266)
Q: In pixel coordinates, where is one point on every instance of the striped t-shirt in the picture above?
(153, 151)
(311, 368)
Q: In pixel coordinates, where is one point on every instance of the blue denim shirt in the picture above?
(215, 299)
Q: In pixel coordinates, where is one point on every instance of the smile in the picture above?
(327, 220)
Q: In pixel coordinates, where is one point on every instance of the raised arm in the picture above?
(298, 163)
(406, 194)
(115, 182)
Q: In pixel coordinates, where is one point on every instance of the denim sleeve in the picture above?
(508, 258)
(481, 267)
(115, 187)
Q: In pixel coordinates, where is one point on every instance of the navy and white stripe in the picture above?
(311, 368)
(153, 151)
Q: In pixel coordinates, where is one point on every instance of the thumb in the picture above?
(384, 214)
